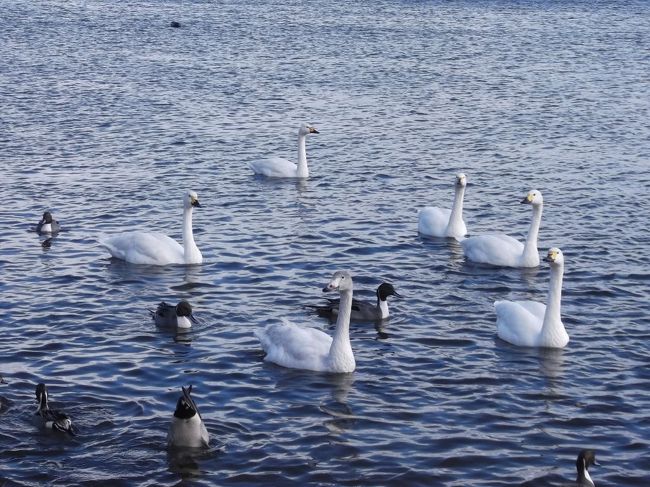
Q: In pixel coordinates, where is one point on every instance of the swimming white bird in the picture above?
(157, 248)
(187, 428)
(533, 324)
(277, 167)
(47, 224)
(441, 222)
(502, 250)
(179, 316)
(52, 419)
(306, 348)
(362, 310)
(586, 458)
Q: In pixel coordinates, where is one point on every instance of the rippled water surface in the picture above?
(108, 115)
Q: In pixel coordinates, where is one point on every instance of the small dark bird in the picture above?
(361, 310)
(586, 458)
(175, 24)
(47, 224)
(179, 316)
(52, 419)
(187, 428)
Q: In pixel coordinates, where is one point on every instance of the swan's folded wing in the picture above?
(496, 249)
(275, 167)
(144, 248)
(519, 322)
(294, 346)
(433, 221)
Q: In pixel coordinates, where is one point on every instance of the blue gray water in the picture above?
(108, 115)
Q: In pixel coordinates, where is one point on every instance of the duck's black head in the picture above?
(47, 217)
(183, 308)
(385, 290)
(586, 459)
(41, 395)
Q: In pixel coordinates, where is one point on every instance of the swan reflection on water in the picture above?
(551, 362)
(340, 415)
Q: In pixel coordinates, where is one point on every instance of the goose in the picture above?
(187, 428)
(441, 222)
(533, 324)
(586, 458)
(157, 248)
(47, 224)
(306, 348)
(502, 250)
(51, 419)
(179, 316)
(277, 167)
(362, 310)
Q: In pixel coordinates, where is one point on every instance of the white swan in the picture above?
(502, 250)
(441, 222)
(277, 167)
(300, 347)
(157, 248)
(533, 324)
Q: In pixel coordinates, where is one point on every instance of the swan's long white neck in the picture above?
(341, 350)
(530, 247)
(456, 216)
(552, 328)
(190, 249)
(383, 308)
(303, 170)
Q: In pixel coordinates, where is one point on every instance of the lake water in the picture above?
(108, 115)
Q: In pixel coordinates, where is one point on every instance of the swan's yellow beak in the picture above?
(528, 199)
(312, 130)
(552, 255)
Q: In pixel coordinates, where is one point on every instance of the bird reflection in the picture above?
(551, 362)
(340, 414)
(187, 461)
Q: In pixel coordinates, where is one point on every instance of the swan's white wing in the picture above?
(275, 167)
(519, 322)
(495, 249)
(145, 248)
(433, 221)
(295, 346)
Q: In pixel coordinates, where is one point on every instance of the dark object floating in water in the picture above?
(47, 243)
(175, 24)
(48, 224)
